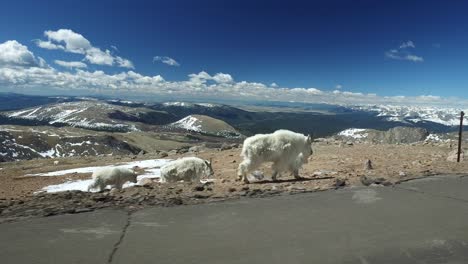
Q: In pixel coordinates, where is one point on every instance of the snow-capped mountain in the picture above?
(414, 114)
(205, 124)
(188, 105)
(20, 142)
(91, 114)
(85, 114)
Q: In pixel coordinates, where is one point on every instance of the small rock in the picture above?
(245, 188)
(82, 210)
(402, 174)
(380, 180)
(199, 188)
(145, 182)
(366, 181)
(99, 198)
(202, 196)
(114, 191)
(255, 192)
(225, 146)
(163, 154)
(182, 150)
(349, 143)
(317, 173)
(232, 190)
(175, 201)
(296, 188)
(340, 183)
(195, 149)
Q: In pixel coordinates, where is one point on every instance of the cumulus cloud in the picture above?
(71, 64)
(19, 67)
(403, 52)
(13, 53)
(166, 60)
(70, 41)
(407, 44)
(198, 85)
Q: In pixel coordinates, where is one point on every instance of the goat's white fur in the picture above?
(286, 149)
(114, 176)
(189, 169)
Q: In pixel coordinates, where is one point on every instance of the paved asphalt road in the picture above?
(422, 221)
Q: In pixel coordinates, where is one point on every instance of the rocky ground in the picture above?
(335, 164)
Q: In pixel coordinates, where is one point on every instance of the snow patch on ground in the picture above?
(436, 138)
(152, 171)
(189, 123)
(145, 164)
(175, 104)
(356, 133)
(207, 105)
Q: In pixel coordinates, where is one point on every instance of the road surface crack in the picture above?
(122, 236)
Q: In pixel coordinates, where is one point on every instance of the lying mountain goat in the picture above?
(114, 176)
(286, 149)
(186, 169)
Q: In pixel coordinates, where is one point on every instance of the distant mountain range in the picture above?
(415, 114)
(127, 116)
(42, 127)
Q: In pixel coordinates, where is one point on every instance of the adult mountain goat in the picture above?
(286, 149)
(114, 176)
(189, 169)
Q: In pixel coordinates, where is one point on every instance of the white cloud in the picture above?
(221, 86)
(338, 86)
(403, 52)
(222, 78)
(166, 60)
(274, 85)
(124, 62)
(13, 53)
(99, 57)
(70, 41)
(407, 44)
(71, 64)
(48, 45)
(74, 42)
(19, 67)
(414, 58)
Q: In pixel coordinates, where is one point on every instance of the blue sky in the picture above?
(339, 48)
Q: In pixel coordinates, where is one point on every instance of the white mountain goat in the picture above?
(189, 169)
(286, 149)
(114, 176)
